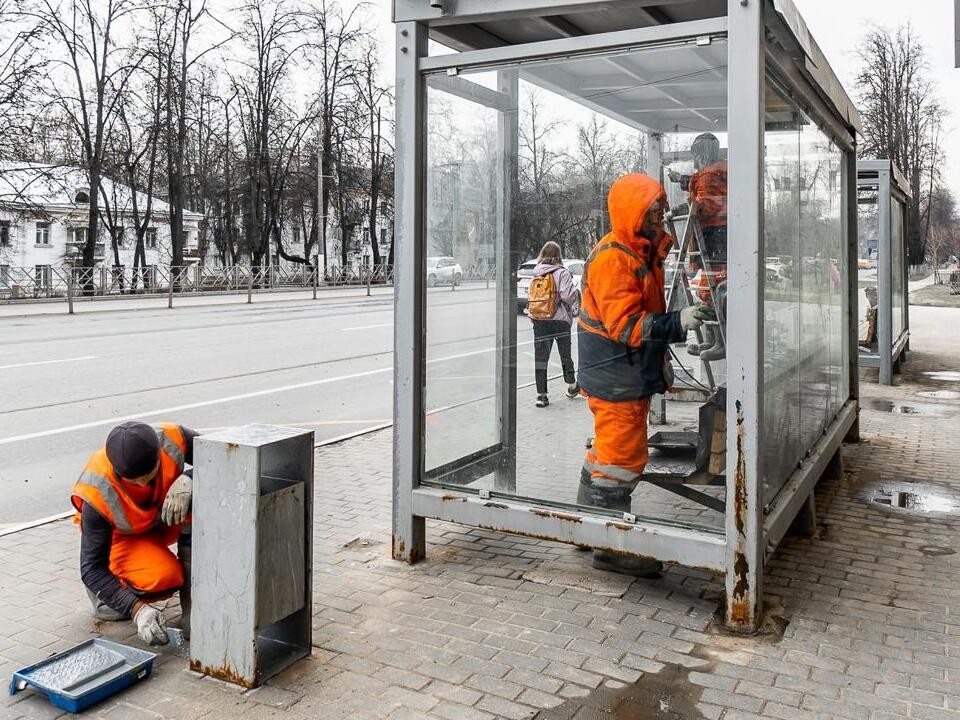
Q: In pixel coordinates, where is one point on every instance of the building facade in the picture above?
(44, 213)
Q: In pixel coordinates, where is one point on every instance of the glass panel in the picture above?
(781, 373)
(868, 245)
(897, 262)
(556, 140)
(803, 312)
(463, 208)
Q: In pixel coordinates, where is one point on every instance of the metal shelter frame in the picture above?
(893, 192)
(764, 38)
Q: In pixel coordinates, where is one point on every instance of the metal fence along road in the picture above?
(24, 284)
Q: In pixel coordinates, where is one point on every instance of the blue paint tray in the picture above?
(85, 674)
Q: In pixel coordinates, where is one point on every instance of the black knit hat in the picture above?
(133, 449)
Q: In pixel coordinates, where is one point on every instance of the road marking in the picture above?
(228, 399)
(368, 327)
(47, 362)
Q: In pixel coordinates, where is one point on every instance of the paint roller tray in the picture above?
(77, 678)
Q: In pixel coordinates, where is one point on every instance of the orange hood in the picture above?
(629, 200)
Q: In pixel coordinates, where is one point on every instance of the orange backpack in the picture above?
(542, 298)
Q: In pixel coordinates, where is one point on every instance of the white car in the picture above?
(443, 270)
(525, 275)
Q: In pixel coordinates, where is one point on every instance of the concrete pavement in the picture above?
(485, 628)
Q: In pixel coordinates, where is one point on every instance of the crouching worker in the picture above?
(623, 335)
(133, 502)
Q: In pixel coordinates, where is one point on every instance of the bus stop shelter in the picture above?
(884, 306)
(492, 96)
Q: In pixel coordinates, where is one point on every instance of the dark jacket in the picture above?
(623, 330)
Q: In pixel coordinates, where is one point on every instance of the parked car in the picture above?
(525, 275)
(443, 270)
(775, 277)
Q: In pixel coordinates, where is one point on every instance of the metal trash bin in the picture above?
(252, 552)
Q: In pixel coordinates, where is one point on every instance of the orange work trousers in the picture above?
(145, 562)
(619, 453)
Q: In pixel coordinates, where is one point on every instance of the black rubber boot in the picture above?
(614, 498)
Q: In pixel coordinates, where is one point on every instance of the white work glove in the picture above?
(176, 505)
(149, 623)
(693, 316)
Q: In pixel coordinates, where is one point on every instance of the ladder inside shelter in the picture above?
(680, 284)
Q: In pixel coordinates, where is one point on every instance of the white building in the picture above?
(43, 224)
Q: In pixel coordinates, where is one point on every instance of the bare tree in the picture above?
(20, 67)
(338, 36)
(89, 82)
(372, 98)
(553, 203)
(600, 159)
(902, 118)
(944, 220)
(179, 21)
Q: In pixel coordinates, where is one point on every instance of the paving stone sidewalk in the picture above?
(871, 606)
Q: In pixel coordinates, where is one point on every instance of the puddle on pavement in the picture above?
(913, 498)
(889, 406)
(943, 375)
(941, 394)
(666, 695)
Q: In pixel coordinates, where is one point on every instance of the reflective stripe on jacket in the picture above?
(100, 486)
(623, 330)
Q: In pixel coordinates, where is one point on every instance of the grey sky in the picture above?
(837, 26)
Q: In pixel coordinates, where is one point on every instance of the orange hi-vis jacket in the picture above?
(708, 188)
(623, 330)
(100, 486)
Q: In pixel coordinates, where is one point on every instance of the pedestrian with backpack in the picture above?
(550, 304)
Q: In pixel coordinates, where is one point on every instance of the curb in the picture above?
(36, 523)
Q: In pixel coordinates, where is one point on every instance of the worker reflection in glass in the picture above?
(707, 194)
(133, 501)
(623, 333)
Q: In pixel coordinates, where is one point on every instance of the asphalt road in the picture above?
(325, 365)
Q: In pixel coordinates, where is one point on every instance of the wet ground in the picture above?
(913, 497)
(898, 408)
(666, 695)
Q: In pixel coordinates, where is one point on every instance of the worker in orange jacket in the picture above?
(132, 502)
(623, 335)
(707, 188)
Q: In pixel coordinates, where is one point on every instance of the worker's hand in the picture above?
(176, 506)
(149, 622)
(694, 316)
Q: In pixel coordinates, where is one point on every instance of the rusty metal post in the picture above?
(70, 290)
(409, 529)
(314, 273)
(170, 289)
(250, 285)
(746, 87)
(369, 272)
